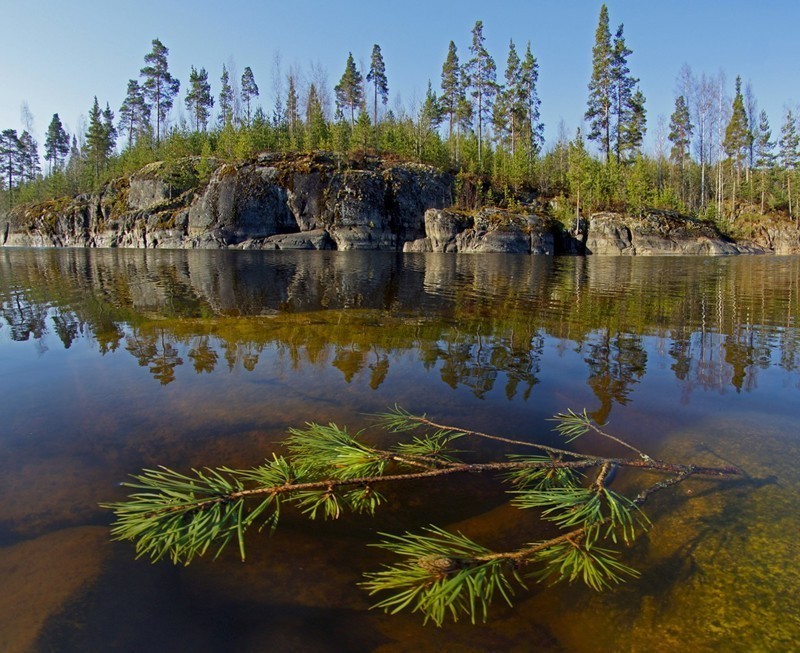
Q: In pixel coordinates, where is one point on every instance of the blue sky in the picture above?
(58, 55)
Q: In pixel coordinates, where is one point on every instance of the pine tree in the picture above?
(134, 114)
(452, 89)
(481, 74)
(377, 75)
(635, 127)
(628, 109)
(30, 168)
(249, 91)
(9, 161)
(225, 99)
(789, 152)
(56, 144)
(159, 85)
(601, 87)
(350, 89)
(764, 153)
(199, 100)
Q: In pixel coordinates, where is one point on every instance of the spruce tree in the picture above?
(56, 144)
(134, 114)
(509, 110)
(764, 153)
(97, 144)
(159, 85)
(249, 91)
(578, 172)
(350, 89)
(315, 120)
(292, 106)
(380, 85)
(199, 100)
(430, 117)
(601, 87)
(529, 99)
(737, 132)
(680, 132)
(111, 132)
(481, 73)
(225, 99)
(680, 135)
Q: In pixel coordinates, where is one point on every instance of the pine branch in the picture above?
(442, 575)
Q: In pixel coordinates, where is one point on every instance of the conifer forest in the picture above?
(717, 156)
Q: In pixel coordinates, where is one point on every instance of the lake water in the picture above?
(114, 361)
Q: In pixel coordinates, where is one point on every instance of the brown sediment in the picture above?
(42, 577)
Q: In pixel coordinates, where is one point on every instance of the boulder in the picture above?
(657, 233)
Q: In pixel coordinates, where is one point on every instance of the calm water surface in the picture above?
(117, 360)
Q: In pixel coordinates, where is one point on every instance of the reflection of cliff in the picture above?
(482, 321)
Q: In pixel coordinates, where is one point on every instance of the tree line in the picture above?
(716, 158)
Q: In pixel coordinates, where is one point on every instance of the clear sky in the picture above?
(59, 54)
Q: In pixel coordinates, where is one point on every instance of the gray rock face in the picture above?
(277, 201)
(658, 233)
(242, 203)
(318, 202)
(491, 230)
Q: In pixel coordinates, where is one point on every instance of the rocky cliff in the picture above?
(661, 233)
(316, 201)
(273, 202)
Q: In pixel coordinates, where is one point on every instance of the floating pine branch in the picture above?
(441, 575)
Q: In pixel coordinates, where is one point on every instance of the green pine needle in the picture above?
(332, 452)
(572, 425)
(444, 575)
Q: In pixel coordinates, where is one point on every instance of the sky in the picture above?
(59, 54)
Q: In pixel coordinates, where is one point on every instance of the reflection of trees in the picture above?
(615, 365)
(25, 318)
(203, 356)
(349, 361)
(378, 370)
(479, 321)
(244, 352)
(155, 352)
(66, 326)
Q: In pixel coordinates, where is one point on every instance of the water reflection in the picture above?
(481, 321)
(117, 360)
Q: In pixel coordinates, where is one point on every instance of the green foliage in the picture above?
(443, 575)
(333, 452)
(597, 567)
(572, 425)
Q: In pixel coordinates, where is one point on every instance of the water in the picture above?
(113, 361)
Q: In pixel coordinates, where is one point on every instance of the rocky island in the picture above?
(319, 201)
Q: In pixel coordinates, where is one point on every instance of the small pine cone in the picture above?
(437, 564)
